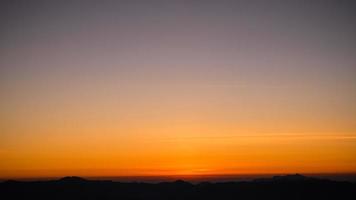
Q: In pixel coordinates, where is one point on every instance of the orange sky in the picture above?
(164, 140)
(124, 89)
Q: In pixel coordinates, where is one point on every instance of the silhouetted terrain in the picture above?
(278, 187)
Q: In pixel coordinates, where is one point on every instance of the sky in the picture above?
(128, 88)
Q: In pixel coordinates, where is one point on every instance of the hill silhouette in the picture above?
(72, 179)
(287, 178)
(278, 187)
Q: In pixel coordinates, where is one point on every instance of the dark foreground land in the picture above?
(281, 187)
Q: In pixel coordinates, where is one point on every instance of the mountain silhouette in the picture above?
(72, 179)
(294, 177)
(294, 186)
(287, 178)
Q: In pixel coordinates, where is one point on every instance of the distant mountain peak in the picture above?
(181, 183)
(291, 177)
(72, 179)
(288, 177)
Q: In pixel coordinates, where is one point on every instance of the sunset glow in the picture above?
(130, 89)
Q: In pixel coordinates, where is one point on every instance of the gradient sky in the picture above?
(106, 88)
